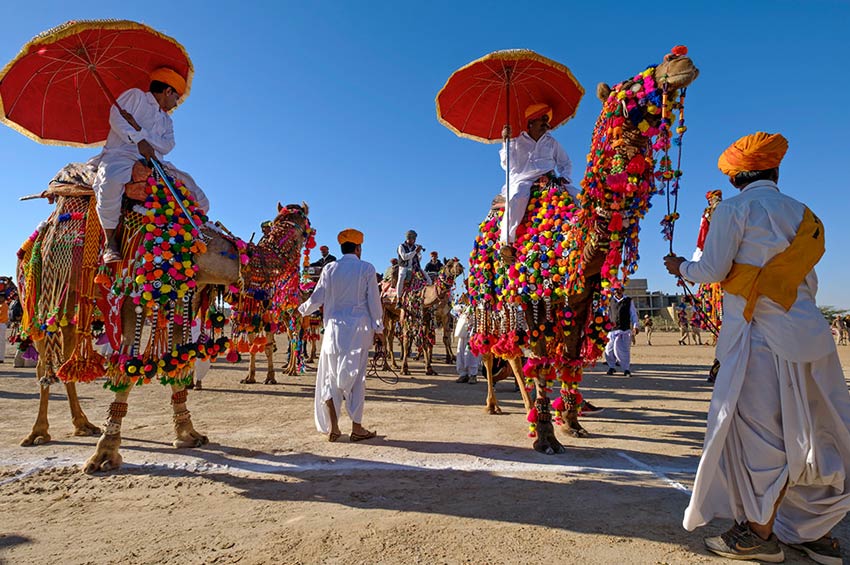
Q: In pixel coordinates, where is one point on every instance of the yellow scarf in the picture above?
(783, 273)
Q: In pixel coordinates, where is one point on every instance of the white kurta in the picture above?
(780, 411)
(348, 290)
(115, 163)
(529, 161)
(466, 362)
(618, 349)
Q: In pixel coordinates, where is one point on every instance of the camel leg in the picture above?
(429, 354)
(516, 367)
(492, 405)
(252, 370)
(546, 442)
(405, 350)
(82, 426)
(39, 435)
(185, 434)
(391, 348)
(270, 349)
(572, 427)
(447, 341)
(106, 456)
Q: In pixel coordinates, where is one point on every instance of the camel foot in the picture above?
(270, 380)
(546, 441)
(405, 371)
(573, 429)
(37, 437)
(248, 381)
(86, 428)
(493, 409)
(188, 437)
(430, 371)
(106, 457)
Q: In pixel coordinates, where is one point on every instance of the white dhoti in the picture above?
(114, 170)
(515, 208)
(201, 368)
(618, 349)
(340, 377)
(466, 362)
(773, 423)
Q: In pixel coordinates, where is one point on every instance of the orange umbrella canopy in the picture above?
(480, 98)
(59, 88)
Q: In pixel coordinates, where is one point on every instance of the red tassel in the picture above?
(616, 223)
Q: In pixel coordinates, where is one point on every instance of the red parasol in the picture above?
(490, 92)
(59, 88)
(486, 99)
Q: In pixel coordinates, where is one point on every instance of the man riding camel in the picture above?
(409, 253)
(534, 153)
(126, 144)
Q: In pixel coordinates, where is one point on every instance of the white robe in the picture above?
(529, 161)
(466, 362)
(780, 411)
(618, 349)
(348, 290)
(115, 163)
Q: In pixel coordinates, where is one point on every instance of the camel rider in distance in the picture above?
(409, 253)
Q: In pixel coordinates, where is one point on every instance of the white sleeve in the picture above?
(373, 299)
(317, 298)
(633, 314)
(129, 101)
(721, 247)
(503, 156)
(406, 256)
(163, 143)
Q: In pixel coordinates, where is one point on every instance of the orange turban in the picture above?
(757, 152)
(537, 110)
(350, 235)
(170, 77)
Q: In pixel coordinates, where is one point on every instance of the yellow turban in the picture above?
(350, 235)
(170, 77)
(757, 152)
(537, 110)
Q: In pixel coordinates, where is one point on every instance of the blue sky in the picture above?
(333, 103)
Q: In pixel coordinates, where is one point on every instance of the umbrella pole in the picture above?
(506, 138)
(154, 163)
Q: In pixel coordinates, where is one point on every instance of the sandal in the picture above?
(361, 437)
(333, 436)
(111, 256)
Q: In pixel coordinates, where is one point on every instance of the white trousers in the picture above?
(340, 377)
(201, 367)
(114, 171)
(618, 349)
(515, 211)
(467, 364)
(789, 426)
(403, 273)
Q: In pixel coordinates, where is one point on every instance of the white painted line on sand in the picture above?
(675, 484)
(236, 465)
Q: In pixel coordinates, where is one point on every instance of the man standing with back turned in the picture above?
(776, 457)
(348, 290)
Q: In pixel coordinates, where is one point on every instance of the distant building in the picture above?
(655, 303)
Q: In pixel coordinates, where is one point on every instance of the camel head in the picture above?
(630, 149)
(290, 217)
(453, 268)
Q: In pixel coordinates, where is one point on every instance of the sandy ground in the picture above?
(444, 483)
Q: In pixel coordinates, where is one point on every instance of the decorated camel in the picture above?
(267, 304)
(161, 282)
(418, 309)
(548, 305)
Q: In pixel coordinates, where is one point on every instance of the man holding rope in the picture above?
(776, 457)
